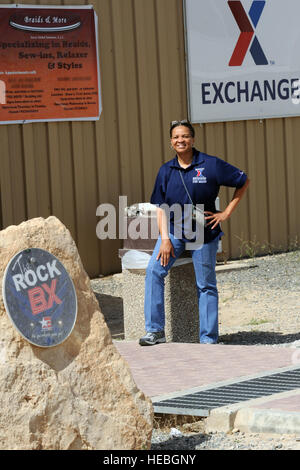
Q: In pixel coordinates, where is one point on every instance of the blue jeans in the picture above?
(204, 260)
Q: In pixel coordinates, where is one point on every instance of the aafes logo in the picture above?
(199, 178)
(247, 24)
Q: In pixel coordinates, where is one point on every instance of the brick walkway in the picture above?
(171, 367)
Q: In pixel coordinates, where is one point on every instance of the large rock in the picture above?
(79, 394)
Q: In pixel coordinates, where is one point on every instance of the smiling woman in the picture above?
(178, 184)
(182, 141)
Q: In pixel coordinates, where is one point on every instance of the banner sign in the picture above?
(39, 297)
(48, 64)
(243, 60)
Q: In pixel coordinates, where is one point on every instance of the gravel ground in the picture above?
(258, 306)
(261, 305)
(176, 439)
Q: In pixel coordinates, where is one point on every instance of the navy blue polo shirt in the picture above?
(203, 179)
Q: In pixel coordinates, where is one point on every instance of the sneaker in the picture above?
(153, 338)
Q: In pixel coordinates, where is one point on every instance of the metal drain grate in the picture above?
(200, 403)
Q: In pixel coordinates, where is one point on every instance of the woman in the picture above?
(190, 176)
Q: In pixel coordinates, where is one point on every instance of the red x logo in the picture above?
(247, 32)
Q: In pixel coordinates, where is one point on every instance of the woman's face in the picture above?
(182, 140)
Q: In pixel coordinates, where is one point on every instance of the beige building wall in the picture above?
(69, 168)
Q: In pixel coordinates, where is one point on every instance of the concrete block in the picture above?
(181, 304)
(221, 420)
(267, 421)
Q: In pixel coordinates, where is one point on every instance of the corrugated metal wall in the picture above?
(68, 169)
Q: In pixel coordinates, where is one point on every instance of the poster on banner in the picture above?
(242, 59)
(39, 297)
(49, 69)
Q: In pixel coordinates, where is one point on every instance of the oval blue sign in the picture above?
(39, 297)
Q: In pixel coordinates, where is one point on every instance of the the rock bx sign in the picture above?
(39, 297)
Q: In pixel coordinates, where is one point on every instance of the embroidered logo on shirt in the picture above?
(199, 178)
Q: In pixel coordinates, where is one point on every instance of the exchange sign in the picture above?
(39, 297)
(242, 59)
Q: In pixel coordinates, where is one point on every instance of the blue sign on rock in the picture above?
(39, 297)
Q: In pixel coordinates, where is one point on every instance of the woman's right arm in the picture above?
(166, 248)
